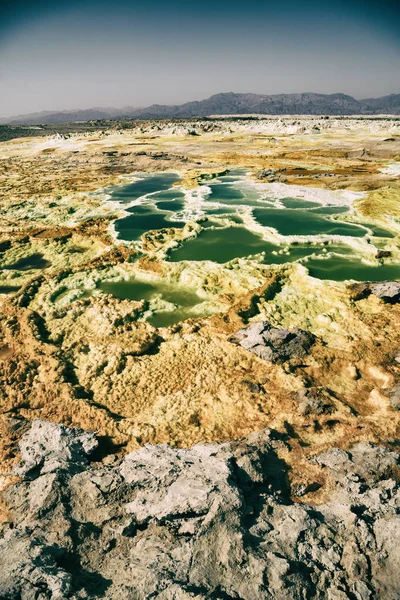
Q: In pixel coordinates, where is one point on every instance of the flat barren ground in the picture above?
(73, 353)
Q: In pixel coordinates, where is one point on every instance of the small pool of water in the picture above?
(221, 211)
(171, 200)
(77, 250)
(232, 176)
(299, 222)
(226, 179)
(188, 303)
(8, 289)
(233, 195)
(330, 210)
(339, 269)
(144, 218)
(28, 263)
(135, 289)
(298, 203)
(147, 184)
(221, 245)
(380, 231)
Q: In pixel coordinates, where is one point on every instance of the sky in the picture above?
(57, 55)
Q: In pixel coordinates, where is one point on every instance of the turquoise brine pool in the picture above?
(289, 221)
(220, 205)
(221, 245)
(339, 269)
(145, 184)
(144, 218)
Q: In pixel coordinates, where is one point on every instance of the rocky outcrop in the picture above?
(314, 401)
(273, 343)
(270, 175)
(388, 291)
(212, 521)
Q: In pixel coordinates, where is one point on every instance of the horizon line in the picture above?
(132, 107)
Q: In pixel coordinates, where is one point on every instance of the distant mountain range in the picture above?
(228, 104)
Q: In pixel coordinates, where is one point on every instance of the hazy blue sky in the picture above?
(61, 55)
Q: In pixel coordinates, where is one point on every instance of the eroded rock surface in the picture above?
(388, 291)
(273, 343)
(212, 521)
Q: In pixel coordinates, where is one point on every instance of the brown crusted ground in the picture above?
(93, 365)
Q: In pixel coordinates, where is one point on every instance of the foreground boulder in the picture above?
(272, 343)
(213, 521)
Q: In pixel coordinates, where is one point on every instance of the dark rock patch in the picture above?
(314, 401)
(383, 254)
(388, 291)
(272, 343)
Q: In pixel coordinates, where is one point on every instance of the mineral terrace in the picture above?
(260, 432)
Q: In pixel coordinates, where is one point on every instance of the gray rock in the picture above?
(29, 570)
(48, 447)
(394, 394)
(388, 291)
(270, 174)
(174, 483)
(272, 343)
(314, 401)
(212, 521)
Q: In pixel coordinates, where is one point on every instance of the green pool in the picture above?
(226, 199)
(187, 302)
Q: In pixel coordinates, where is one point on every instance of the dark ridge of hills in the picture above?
(228, 104)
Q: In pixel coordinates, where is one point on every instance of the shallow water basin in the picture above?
(146, 184)
(221, 245)
(144, 218)
(28, 263)
(188, 304)
(300, 222)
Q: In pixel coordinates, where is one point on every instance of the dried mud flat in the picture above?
(326, 384)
